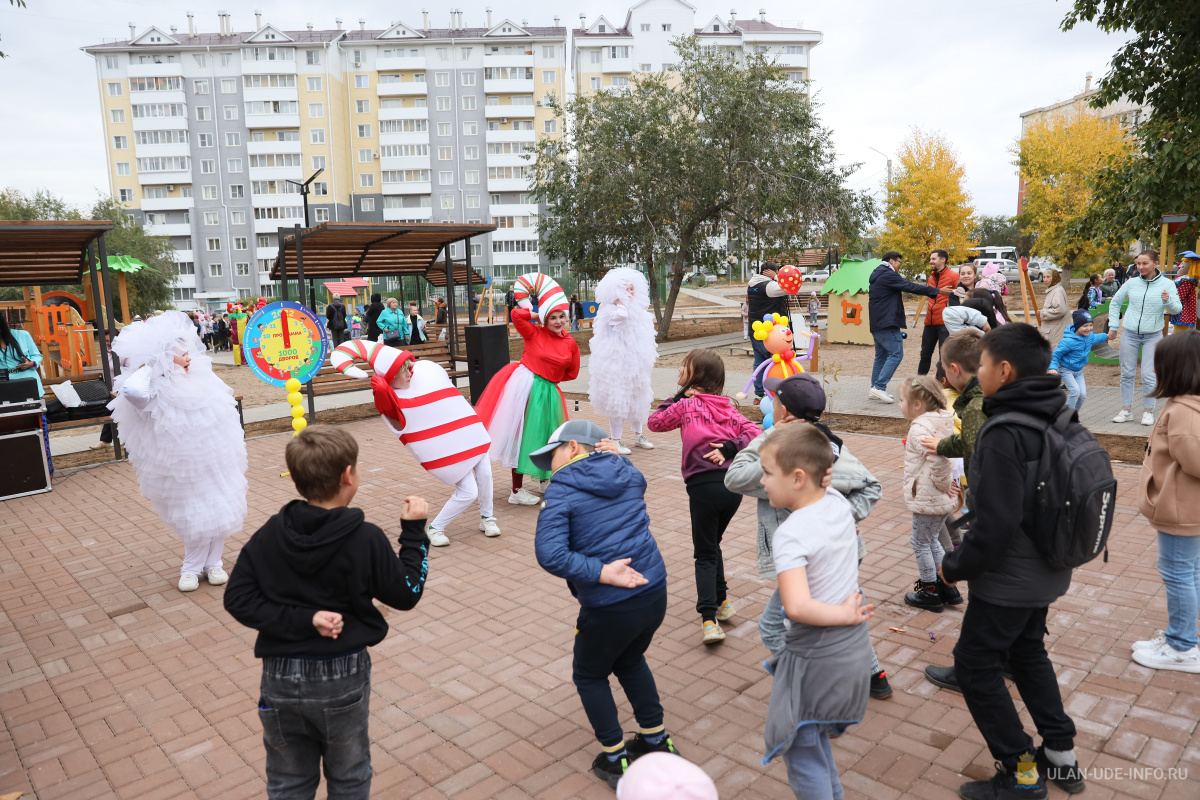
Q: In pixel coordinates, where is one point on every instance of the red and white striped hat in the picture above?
(550, 296)
(386, 361)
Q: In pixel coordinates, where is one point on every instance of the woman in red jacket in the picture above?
(522, 404)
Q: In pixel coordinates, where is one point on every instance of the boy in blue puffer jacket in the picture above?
(1072, 354)
(594, 531)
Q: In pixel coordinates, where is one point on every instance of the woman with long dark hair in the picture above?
(373, 312)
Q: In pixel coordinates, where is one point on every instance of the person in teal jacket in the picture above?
(1071, 356)
(393, 323)
(1151, 297)
(22, 359)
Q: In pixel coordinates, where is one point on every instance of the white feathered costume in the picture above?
(623, 350)
(183, 435)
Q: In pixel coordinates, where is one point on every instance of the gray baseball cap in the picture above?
(579, 430)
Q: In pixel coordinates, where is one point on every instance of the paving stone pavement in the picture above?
(115, 685)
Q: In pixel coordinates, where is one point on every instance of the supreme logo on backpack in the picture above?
(1074, 491)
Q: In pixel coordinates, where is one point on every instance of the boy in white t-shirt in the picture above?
(822, 677)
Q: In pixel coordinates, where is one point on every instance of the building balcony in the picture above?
(268, 67)
(266, 252)
(617, 65)
(509, 112)
(506, 86)
(403, 113)
(509, 184)
(160, 123)
(405, 89)
(182, 255)
(272, 200)
(155, 70)
(400, 64)
(515, 60)
(510, 136)
(151, 150)
(404, 162)
(278, 174)
(792, 61)
(271, 121)
(408, 187)
(513, 209)
(424, 214)
(513, 234)
(170, 229)
(273, 225)
(184, 282)
(271, 148)
(164, 178)
(168, 204)
(421, 137)
(510, 160)
(270, 93)
(506, 259)
(168, 96)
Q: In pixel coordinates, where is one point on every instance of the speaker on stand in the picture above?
(487, 354)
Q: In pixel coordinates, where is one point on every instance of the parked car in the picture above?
(700, 278)
(1038, 267)
(816, 275)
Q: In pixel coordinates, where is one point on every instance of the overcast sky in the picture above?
(965, 68)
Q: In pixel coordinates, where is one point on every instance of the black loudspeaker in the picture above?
(487, 354)
(23, 468)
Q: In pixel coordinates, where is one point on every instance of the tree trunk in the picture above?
(676, 278)
(652, 281)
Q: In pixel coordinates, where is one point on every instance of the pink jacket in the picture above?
(927, 478)
(703, 419)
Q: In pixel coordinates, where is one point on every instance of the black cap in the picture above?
(801, 395)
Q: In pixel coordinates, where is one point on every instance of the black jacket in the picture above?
(997, 557)
(373, 312)
(307, 559)
(335, 315)
(760, 303)
(886, 305)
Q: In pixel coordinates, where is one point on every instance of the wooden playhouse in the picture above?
(848, 321)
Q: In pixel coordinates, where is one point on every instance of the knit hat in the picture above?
(387, 363)
(1080, 318)
(665, 776)
(549, 295)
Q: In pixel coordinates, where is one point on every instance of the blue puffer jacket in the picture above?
(1072, 352)
(594, 514)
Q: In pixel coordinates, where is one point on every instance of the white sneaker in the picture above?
(1124, 416)
(1166, 657)
(622, 449)
(438, 538)
(880, 394)
(189, 582)
(1147, 417)
(1160, 637)
(489, 526)
(642, 442)
(537, 487)
(523, 497)
(216, 576)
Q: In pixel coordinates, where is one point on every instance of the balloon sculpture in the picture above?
(790, 279)
(777, 337)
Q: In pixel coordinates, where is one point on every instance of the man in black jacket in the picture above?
(315, 555)
(1011, 585)
(886, 311)
(335, 318)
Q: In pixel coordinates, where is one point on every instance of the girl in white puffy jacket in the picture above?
(929, 489)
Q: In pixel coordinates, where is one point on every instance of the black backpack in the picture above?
(1070, 492)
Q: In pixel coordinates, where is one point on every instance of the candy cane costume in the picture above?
(435, 422)
(522, 404)
(623, 352)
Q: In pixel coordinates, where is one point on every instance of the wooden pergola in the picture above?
(382, 249)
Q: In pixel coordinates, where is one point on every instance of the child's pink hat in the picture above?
(663, 776)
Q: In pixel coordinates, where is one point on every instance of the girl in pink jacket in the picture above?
(929, 488)
(713, 432)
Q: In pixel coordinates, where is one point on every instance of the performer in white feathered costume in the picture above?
(179, 422)
(434, 421)
(623, 354)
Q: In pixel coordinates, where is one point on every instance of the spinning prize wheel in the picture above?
(285, 340)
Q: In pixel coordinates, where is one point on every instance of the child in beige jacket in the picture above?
(929, 489)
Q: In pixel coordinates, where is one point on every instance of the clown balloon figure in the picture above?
(623, 354)
(434, 421)
(779, 340)
(522, 404)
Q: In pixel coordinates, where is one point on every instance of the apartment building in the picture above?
(205, 131)
(605, 55)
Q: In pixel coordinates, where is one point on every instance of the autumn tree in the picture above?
(928, 207)
(660, 170)
(1058, 157)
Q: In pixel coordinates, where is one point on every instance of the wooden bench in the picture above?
(329, 381)
(70, 424)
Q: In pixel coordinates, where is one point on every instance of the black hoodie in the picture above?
(997, 557)
(307, 559)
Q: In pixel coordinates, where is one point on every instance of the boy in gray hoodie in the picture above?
(799, 400)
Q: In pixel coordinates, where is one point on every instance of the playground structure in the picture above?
(849, 320)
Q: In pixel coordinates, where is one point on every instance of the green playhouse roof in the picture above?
(853, 277)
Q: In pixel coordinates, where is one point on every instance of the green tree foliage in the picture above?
(16, 4)
(652, 173)
(1158, 67)
(1001, 231)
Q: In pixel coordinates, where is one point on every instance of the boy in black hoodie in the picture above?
(1011, 585)
(305, 581)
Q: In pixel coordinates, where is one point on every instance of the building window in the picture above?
(619, 81)
(602, 28)
(445, 129)
(185, 191)
(645, 67)
(618, 52)
(237, 218)
(366, 180)
(125, 195)
(548, 76)
(362, 81)
(312, 57)
(208, 166)
(364, 155)
(441, 79)
(364, 131)
(477, 250)
(367, 204)
(596, 84)
(320, 188)
(316, 136)
(213, 245)
(321, 214)
(228, 86)
(239, 243)
(209, 192)
(122, 167)
(318, 162)
(447, 201)
(185, 267)
(237, 191)
(443, 54)
(118, 115)
(362, 106)
(231, 112)
(466, 53)
(445, 153)
(314, 84)
(115, 89)
(235, 165)
(316, 110)
(214, 270)
(443, 103)
(645, 27)
(471, 176)
(468, 102)
(227, 59)
(203, 113)
(446, 178)
(796, 77)
(233, 139)
(794, 50)
(473, 200)
(471, 152)
(200, 87)
(242, 268)
(201, 59)
(112, 62)
(212, 218)
(594, 57)
(551, 126)
(120, 142)
(666, 27)
(548, 51)
(470, 129)
(204, 140)
(468, 78)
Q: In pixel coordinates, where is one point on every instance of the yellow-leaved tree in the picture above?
(928, 207)
(1056, 157)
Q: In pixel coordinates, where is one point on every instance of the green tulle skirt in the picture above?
(544, 412)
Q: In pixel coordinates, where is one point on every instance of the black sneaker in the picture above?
(1005, 785)
(926, 596)
(880, 688)
(638, 746)
(949, 594)
(947, 678)
(608, 770)
(1069, 779)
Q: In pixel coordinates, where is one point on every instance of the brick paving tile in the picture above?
(113, 684)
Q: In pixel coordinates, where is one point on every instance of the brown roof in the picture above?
(581, 32)
(349, 249)
(754, 26)
(233, 40)
(34, 253)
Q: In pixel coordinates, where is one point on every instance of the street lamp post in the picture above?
(304, 196)
(889, 165)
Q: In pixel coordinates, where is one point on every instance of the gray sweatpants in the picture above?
(926, 545)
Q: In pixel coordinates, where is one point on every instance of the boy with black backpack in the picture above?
(1011, 580)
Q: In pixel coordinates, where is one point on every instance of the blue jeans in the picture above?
(770, 628)
(812, 773)
(1076, 387)
(761, 354)
(313, 710)
(1179, 566)
(889, 352)
(1130, 342)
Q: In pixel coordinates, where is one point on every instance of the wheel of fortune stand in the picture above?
(286, 341)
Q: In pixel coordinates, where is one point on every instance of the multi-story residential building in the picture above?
(204, 132)
(605, 55)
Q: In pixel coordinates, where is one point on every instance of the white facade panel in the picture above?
(268, 67)
(160, 123)
(512, 234)
(508, 86)
(154, 150)
(510, 160)
(405, 89)
(404, 138)
(155, 70)
(169, 96)
(513, 209)
(397, 64)
(506, 259)
(271, 148)
(270, 93)
(412, 162)
(501, 60)
(168, 204)
(510, 136)
(403, 113)
(159, 178)
(509, 112)
(509, 185)
(170, 229)
(276, 174)
(397, 214)
(272, 120)
(408, 187)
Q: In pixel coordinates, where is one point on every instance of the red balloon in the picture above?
(789, 279)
